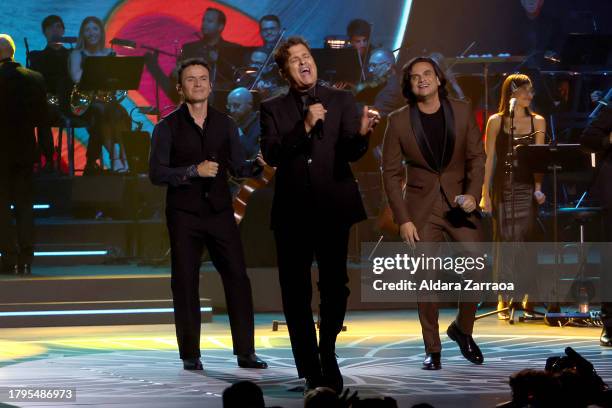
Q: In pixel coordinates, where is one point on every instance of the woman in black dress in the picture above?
(512, 196)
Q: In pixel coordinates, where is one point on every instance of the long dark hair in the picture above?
(511, 84)
(99, 23)
(407, 87)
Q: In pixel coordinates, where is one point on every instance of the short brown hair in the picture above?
(187, 63)
(281, 55)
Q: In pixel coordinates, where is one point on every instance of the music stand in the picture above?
(553, 158)
(334, 65)
(111, 73)
(587, 50)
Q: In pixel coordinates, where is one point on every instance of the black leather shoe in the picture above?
(606, 337)
(251, 361)
(193, 364)
(432, 361)
(468, 347)
(25, 270)
(311, 383)
(332, 377)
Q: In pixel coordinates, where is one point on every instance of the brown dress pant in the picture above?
(433, 231)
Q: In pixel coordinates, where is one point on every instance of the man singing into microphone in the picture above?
(439, 140)
(192, 150)
(310, 135)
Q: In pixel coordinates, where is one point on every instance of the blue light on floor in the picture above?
(71, 253)
(93, 312)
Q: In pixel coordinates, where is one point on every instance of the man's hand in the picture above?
(369, 119)
(316, 111)
(409, 234)
(208, 169)
(539, 197)
(260, 160)
(467, 202)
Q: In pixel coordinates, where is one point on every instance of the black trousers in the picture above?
(433, 231)
(55, 117)
(16, 244)
(219, 232)
(296, 249)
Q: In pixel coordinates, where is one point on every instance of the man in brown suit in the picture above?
(438, 141)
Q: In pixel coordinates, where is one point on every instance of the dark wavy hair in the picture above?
(407, 87)
(281, 55)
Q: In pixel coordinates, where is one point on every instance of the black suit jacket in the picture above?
(596, 137)
(23, 107)
(313, 177)
(53, 66)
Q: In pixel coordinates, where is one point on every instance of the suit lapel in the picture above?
(449, 133)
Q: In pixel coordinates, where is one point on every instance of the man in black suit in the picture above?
(193, 149)
(598, 137)
(310, 135)
(211, 46)
(22, 108)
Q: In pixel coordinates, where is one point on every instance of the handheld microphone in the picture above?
(512, 106)
(318, 127)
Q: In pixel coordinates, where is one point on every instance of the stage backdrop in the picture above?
(167, 24)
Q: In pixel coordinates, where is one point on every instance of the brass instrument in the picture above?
(80, 101)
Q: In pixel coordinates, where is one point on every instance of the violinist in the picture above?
(240, 107)
(358, 32)
(383, 92)
(383, 73)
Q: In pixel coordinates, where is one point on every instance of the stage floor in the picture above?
(380, 354)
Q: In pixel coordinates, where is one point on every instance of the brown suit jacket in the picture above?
(404, 155)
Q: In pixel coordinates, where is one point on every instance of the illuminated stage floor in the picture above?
(380, 354)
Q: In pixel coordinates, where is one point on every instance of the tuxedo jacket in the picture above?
(406, 154)
(313, 177)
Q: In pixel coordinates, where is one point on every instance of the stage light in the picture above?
(71, 253)
(335, 42)
(399, 38)
(93, 312)
(37, 206)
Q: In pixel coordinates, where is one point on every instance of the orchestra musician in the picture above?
(52, 63)
(106, 119)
